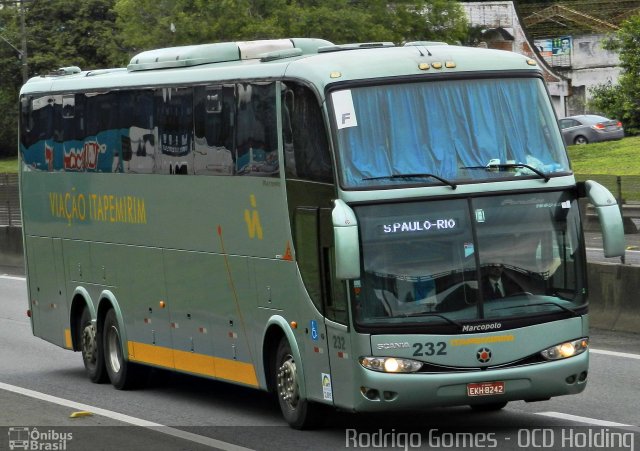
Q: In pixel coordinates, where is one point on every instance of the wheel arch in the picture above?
(276, 329)
(81, 300)
(107, 302)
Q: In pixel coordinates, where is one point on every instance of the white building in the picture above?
(571, 64)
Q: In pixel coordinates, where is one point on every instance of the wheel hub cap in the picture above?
(287, 383)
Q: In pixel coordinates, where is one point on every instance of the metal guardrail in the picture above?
(9, 201)
(625, 188)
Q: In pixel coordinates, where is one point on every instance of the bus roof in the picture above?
(316, 60)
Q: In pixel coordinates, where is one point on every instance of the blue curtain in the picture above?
(438, 127)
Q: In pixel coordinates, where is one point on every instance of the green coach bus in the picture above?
(363, 226)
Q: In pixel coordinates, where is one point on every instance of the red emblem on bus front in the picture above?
(483, 355)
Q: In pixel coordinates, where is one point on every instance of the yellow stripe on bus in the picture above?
(67, 339)
(194, 363)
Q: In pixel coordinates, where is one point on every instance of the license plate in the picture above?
(485, 388)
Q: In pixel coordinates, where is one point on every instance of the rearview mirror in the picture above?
(609, 217)
(345, 233)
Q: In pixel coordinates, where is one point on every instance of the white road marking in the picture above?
(8, 277)
(207, 441)
(586, 420)
(615, 353)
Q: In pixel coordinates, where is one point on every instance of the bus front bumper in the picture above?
(384, 391)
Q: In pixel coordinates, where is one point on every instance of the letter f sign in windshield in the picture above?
(345, 112)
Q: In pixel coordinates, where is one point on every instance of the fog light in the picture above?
(370, 393)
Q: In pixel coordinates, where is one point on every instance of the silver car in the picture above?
(589, 128)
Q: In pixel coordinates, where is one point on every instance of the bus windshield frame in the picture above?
(446, 132)
(433, 264)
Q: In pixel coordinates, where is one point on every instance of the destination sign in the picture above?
(418, 226)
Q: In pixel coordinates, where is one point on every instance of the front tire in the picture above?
(91, 347)
(297, 411)
(123, 374)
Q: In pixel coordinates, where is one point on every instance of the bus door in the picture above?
(315, 344)
(336, 316)
(327, 362)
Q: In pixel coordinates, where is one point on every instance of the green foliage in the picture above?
(8, 122)
(10, 79)
(62, 33)
(147, 24)
(622, 101)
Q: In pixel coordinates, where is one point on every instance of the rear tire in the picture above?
(580, 140)
(91, 347)
(297, 411)
(123, 374)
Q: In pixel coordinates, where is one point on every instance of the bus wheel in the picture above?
(298, 412)
(91, 349)
(489, 407)
(123, 374)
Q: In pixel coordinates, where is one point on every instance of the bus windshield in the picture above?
(497, 258)
(429, 133)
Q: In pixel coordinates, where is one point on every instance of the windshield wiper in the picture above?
(449, 320)
(417, 175)
(566, 309)
(509, 166)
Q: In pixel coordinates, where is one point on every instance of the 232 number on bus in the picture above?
(429, 349)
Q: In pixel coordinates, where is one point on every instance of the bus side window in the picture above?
(174, 117)
(101, 142)
(37, 132)
(140, 137)
(307, 251)
(306, 148)
(214, 112)
(256, 150)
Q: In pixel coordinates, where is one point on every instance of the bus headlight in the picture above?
(390, 364)
(567, 349)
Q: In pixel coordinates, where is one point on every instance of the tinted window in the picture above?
(256, 150)
(219, 129)
(214, 108)
(174, 115)
(306, 148)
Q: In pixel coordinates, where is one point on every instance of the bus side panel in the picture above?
(48, 291)
(195, 285)
(77, 255)
(142, 297)
(234, 327)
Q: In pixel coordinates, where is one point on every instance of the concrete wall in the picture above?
(614, 296)
(614, 290)
(587, 52)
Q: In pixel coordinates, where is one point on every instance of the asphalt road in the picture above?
(41, 386)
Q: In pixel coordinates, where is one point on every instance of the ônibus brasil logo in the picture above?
(33, 439)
